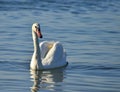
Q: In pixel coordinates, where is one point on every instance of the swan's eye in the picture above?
(35, 26)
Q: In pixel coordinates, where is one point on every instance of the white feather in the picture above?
(47, 55)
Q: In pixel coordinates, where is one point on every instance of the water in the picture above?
(89, 31)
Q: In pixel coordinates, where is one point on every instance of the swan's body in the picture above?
(47, 55)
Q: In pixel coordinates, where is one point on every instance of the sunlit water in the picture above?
(89, 31)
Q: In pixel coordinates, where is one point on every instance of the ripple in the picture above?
(14, 66)
(92, 66)
(89, 30)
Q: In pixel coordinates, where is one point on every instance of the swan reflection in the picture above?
(46, 80)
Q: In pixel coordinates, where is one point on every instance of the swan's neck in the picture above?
(36, 43)
(36, 50)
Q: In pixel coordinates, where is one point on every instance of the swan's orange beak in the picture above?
(39, 34)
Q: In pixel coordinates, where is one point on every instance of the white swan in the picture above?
(48, 55)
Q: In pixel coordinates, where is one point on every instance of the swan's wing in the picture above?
(43, 48)
(54, 55)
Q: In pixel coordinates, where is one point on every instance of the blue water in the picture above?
(89, 31)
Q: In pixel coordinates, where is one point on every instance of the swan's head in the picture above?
(36, 29)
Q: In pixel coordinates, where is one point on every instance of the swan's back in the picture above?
(52, 54)
(45, 46)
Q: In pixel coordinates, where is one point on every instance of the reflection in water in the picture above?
(46, 80)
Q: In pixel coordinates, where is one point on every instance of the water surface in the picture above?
(89, 31)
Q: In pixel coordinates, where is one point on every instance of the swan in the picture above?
(47, 54)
